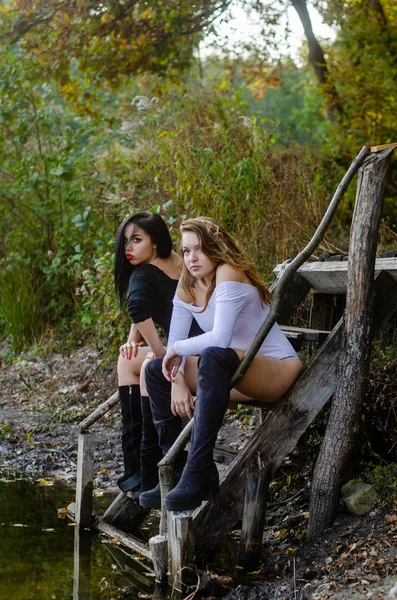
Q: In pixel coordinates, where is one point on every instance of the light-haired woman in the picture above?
(222, 291)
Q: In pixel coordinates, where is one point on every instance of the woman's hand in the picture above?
(181, 399)
(130, 349)
(171, 363)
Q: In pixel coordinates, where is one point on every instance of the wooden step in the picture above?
(330, 277)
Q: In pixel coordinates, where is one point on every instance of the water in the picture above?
(43, 557)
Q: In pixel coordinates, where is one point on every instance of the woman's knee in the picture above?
(127, 371)
(212, 356)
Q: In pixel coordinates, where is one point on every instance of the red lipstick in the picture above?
(129, 256)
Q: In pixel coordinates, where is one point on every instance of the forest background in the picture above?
(107, 108)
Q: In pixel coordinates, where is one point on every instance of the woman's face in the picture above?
(198, 263)
(139, 247)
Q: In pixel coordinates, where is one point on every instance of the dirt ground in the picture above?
(43, 400)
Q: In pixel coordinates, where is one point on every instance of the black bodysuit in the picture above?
(150, 295)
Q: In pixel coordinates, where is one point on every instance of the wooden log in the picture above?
(99, 412)
(256, 491)
(85, 477)
(125, 539)
(344, 421)
(166, 476)
(180, 545)
(159, 550)
(285, 423)
(81, 564)
(125, 514)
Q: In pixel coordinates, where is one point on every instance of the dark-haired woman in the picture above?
(146, 275)
(222, 291)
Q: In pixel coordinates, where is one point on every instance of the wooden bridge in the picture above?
(368, 288)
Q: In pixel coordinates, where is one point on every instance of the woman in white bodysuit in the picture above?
(221, 289)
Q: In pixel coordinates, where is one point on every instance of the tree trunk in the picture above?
(318, 62)
(344, 421)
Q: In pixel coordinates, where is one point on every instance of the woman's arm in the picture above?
(148, 331)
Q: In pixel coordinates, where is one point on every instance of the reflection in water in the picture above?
(82, 564)
(46, 558)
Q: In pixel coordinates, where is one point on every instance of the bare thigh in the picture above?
(191, 372)
(268, 378)
(128, 371)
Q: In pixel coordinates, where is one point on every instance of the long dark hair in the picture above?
(156, 228)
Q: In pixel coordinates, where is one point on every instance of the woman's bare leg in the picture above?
(128, 371)
(268, 378)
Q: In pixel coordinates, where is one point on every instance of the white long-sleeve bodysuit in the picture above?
(232, 318)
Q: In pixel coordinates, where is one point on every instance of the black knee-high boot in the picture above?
(131, 436)
(167, 426)
(200, 480)
(151, 453)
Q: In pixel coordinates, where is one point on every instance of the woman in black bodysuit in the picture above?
(146, 274)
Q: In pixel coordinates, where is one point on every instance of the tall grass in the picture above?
(20, 306)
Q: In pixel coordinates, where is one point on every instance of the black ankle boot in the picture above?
(200, 480)
(167, 426)
(131, 422)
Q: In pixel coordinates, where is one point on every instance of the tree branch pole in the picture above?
(271, 318)
(344, 421)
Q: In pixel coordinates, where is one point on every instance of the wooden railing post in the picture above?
(256, 492)
(85, 477)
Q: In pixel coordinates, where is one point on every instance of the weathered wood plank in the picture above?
(256, 491)
(85, 478)
(125, 514)
(330, 277)
(285, 423)
(125, 539)
(304, 334)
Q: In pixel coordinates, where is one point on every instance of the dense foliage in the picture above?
(251, 144)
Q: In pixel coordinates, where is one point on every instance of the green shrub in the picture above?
(21, 305)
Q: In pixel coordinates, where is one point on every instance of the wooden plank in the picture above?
(125, 514)
(256, 492)
(285, 423)
(331, 277)
(125, 539)
(129, 541)
(85, 478)
(307, 335)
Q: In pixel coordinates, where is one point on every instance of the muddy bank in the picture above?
(43, 400)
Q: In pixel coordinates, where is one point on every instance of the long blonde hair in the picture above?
(221, 248)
